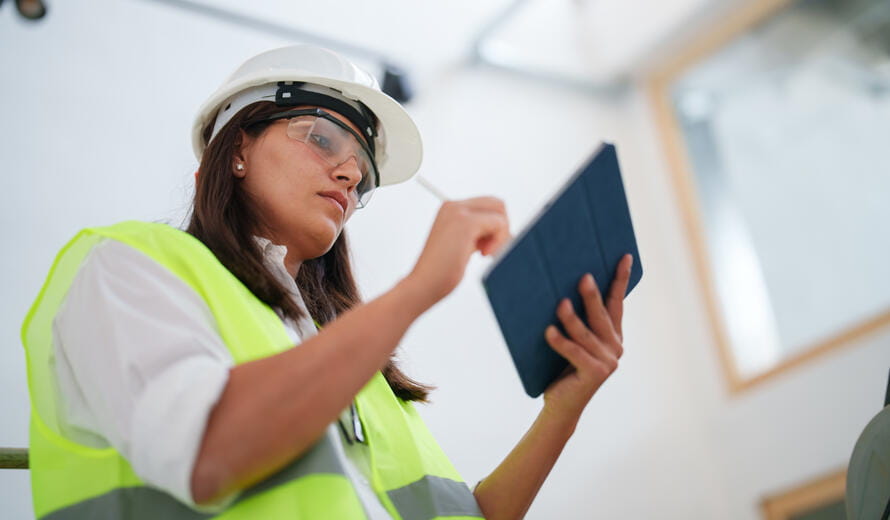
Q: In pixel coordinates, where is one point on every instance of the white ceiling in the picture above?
(593, 40)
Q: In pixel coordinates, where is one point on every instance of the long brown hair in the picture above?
(225, 219)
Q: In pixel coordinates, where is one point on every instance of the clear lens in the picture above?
(335, 145)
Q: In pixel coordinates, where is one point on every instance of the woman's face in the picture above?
(304, 202)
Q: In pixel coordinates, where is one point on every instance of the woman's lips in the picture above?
(336, 198)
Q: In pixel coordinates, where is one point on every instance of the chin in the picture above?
(322, 243)
(312, 237)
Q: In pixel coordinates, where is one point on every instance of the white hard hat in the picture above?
(277, 74)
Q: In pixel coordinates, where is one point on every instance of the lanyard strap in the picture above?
(358, 433)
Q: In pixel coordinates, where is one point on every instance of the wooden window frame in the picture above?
(724, 30)
(805, 498)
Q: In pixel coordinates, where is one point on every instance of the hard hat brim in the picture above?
(399, 146)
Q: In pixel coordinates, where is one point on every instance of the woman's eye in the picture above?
(321, 142)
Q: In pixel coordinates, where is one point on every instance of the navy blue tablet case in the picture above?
(585, 228)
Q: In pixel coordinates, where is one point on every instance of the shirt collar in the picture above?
(271, 251)
(273, 258)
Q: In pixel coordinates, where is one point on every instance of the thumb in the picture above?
(495, 233)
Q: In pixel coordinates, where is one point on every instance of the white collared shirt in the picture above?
(140, 365)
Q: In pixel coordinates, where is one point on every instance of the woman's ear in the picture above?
(239, 158)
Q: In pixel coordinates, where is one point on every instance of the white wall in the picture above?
(96, 105)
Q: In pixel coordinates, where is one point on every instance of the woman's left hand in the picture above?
(592, 352)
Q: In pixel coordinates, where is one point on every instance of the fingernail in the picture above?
(630, 264)
(588, 278)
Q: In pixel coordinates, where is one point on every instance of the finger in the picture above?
(483, 229)
(492, 232)
(597, 317)
(577, 329)
(615, 300)
(485, 203)
(574, 353)
(603, 349)
(584, 362)
(491, 245)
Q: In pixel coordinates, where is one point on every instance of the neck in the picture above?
(292, 263)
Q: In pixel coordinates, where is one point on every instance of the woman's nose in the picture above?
(349, 171)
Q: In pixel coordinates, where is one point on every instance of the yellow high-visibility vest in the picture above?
(410, 474)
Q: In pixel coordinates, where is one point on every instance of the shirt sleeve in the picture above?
(139, 364)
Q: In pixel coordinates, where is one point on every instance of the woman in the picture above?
(162, 372)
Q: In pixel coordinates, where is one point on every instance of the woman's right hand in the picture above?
(461, 228)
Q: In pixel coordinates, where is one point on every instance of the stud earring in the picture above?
(239, 167)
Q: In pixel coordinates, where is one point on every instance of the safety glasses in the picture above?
(332, 141)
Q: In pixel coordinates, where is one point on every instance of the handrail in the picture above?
(13, 458)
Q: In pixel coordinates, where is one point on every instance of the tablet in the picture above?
(585, 227)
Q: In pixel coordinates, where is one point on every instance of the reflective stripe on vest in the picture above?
(434, 497)
(409, 473)
(144, 503)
